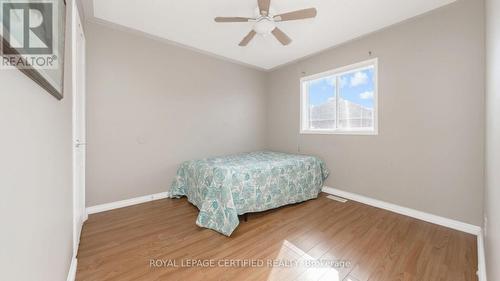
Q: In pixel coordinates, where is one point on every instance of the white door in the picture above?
(79, 139)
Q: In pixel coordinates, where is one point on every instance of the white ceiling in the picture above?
(190, 23)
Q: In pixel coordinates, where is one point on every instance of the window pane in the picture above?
(321, 103)
(356, 99)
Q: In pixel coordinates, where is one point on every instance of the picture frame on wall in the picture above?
(33, 40)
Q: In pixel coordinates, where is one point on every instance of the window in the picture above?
(341, 101)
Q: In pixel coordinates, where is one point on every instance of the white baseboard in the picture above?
(72, 270)
(481, 258)
(454, 224)
(125, 203)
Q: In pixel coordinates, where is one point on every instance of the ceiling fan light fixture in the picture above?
(264, 26)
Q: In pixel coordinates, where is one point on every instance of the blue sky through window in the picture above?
(357, 87)
(321, 90)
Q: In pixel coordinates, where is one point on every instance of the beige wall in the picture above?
(492, 193)
(152, 105)
(35, 178)
(429, 154)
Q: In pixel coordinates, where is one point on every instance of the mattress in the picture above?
(224, 187)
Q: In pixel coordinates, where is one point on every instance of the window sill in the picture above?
(340, 132)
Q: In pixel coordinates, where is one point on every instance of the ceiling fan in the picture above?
(265, 22)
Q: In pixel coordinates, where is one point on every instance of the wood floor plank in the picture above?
(377, 244)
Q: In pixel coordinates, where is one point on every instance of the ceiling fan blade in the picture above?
(231, 19)
(297, 15)
(281, 36)
(264, 6)
(247, 38)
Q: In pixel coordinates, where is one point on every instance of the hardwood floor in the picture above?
(307, 241)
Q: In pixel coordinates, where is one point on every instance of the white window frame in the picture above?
(304, 109)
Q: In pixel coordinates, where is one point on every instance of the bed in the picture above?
(224, 187)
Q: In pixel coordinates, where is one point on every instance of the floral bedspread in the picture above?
(224, 187)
